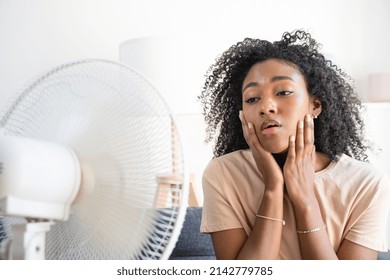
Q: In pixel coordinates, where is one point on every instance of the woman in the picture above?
(288, 179)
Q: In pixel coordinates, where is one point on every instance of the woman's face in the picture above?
(275, 98)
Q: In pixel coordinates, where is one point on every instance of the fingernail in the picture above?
(292, 138)
(240, 115)
(250, 125)
(308, 118)
(300, 124)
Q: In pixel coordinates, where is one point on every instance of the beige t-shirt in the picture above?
(353, 196)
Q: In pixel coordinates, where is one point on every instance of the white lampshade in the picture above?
(176, 65)
(379, 87)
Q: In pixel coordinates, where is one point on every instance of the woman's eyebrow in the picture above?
(251, 84)
(273, 79)
(278, 78)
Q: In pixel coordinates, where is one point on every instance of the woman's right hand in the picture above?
(267, 165)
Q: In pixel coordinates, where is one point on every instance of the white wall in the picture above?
(36, 35)
(375, 116)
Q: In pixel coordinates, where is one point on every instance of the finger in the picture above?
(309, 134)
(240, 115)
(253, 137)
(312, 129)
(244, 126)
(291, 151)
(313, 156)
(299, 143)
(250, 133)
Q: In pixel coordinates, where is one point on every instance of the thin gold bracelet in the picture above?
(272, 219)
(311, 230)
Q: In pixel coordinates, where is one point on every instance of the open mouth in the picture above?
(270, 124)
(270, 127)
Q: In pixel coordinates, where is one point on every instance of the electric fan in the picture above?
(91, 167)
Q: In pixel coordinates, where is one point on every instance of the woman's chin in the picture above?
(276, 149)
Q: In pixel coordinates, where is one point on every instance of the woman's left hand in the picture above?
(299, 168)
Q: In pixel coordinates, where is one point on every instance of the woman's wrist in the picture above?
(274, 186)
(274, 196)
(306, 206)
(308, 216)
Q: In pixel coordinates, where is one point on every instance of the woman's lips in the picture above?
(270, 127)
(270, 131)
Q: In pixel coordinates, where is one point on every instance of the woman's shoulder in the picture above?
(358, 167)
(235, 158)
(232, 161)
(350, 171)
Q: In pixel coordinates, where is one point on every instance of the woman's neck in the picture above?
(280, 159)
(322, 161)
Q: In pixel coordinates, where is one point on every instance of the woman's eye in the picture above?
(284, 92)
(252, 100)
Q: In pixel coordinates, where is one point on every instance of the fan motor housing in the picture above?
(38, 179)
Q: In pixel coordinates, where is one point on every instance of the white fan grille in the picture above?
(118, 125)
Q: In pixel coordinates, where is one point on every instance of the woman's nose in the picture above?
(267, 107)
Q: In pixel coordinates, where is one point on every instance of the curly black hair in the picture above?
(339, 127)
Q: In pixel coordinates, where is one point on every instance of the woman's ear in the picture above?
(316, 107)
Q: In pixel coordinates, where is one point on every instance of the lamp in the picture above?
(379, 87)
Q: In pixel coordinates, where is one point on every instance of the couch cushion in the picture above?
(192, 244)
(384, 255)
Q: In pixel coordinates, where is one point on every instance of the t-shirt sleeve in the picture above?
(371, 226)
(217, 214)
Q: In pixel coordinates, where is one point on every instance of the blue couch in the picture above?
(193, 245)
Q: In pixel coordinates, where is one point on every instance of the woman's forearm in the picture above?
(264, 240)
(313, 235)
